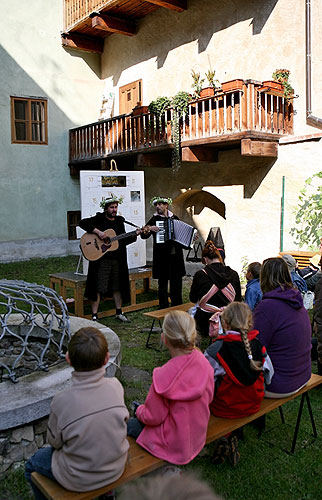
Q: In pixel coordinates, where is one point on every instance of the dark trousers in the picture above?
(175, 291)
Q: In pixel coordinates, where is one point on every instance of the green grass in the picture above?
(265, 472)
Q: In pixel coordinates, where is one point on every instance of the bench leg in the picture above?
(281, 414)
(304, 396)
(148, 345)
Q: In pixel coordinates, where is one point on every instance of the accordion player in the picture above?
(176, 230)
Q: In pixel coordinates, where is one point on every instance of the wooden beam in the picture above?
(79, 42)
(178, 5)
(113, 24)
(209, 155)
(258, 148)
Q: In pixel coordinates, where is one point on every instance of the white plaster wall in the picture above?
(36, 186)
(248, 39)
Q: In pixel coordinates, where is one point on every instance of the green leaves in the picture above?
(308, 215)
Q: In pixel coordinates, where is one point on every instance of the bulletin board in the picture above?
(96, 186)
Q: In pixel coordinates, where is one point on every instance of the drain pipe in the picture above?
(312, 120)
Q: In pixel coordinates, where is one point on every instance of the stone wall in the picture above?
(18, 444)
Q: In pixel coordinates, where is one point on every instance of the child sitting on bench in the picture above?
(237, 357)
(87, 422)
(172, 423)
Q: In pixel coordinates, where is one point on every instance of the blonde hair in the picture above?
(180, 329)
(238, 318)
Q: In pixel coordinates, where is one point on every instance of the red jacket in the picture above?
(240, 390)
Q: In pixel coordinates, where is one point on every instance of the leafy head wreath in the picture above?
(111, 199)
(160, 199)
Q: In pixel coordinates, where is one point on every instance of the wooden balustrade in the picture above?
(76, 11)
(248, 109)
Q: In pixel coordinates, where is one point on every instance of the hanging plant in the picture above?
(180, 106)
(159, 106)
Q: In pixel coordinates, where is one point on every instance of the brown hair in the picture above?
(274, 274)
(211, 251)
(254, 268)
(238, 318)
(87, 349)
(180, 329)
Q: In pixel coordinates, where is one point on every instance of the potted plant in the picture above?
(139, 109)
(210, 90)
(232, 85)
(282, 76)
(197, 84)
(280, 82)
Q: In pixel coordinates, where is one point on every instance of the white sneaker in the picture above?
(122, 317)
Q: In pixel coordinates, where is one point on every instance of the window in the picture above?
(73, 218)
(28, 120)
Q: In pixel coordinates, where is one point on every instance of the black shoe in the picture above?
(221, 451)
(94, 317)
(234, 455)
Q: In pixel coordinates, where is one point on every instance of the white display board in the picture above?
(97, 185)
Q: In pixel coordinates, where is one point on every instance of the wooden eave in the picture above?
(112, 16)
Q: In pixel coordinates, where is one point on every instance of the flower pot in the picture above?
(207, 92)
(271, 84)
(232, 85)
(140, 110)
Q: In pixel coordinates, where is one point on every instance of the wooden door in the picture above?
(130, 96)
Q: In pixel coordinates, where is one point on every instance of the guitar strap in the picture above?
(131, 223)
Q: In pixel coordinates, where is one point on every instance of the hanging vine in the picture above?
(180, 107)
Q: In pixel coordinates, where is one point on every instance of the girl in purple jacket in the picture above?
(172, 423)
(284, 329)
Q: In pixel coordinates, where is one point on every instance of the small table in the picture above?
(77, 282)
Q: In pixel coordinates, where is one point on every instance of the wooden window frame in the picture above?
(71, 224)
(28, 121)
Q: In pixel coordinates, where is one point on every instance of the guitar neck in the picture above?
(121, 236)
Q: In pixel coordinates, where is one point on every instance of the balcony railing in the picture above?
(77, 11)
(225, 114)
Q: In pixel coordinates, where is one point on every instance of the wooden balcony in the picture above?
(251, 118)
(88, 22)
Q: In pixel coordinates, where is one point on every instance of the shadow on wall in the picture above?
(199, 199)
(204, 18)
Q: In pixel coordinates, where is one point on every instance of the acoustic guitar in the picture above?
(93, 248)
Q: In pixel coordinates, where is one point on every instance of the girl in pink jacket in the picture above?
(172, 423)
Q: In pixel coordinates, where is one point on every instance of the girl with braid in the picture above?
(239, 361)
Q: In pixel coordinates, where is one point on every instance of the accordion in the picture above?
(176, 230)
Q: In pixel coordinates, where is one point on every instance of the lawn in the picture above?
(265, 470)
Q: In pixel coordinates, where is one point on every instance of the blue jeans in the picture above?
(134, 427)
(39, 462)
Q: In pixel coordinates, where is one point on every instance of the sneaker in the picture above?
(94, 317)
(221, 451)
(234, 455)
(122, 317)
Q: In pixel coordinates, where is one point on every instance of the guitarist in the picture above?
(109, 275)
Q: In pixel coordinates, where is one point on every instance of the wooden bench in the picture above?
(159, 314)
(301, 257)
(77, 282)
(140, 462)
